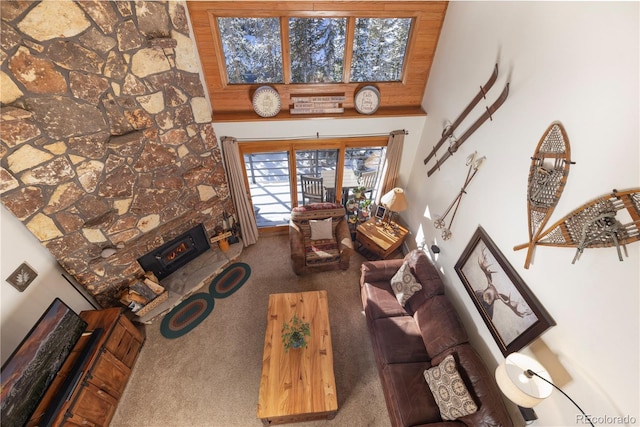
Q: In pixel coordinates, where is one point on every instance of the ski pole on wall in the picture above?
(440, 222)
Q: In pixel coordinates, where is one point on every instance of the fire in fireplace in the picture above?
(171, 256)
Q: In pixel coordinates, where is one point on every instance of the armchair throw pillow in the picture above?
(449, 390)
(321, 229)
(404, 284)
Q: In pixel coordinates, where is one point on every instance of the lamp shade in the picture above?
(394, 200)
(519, 387)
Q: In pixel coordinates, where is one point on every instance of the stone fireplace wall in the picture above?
(106, 140)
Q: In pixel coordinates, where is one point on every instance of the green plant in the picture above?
(351, 204)
(358, 191)
(294, 333)
(365, 204)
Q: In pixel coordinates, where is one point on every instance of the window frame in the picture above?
(285, 44)
(290, 146)
(233, 101)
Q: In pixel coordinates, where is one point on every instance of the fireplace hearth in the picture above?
(168, 258)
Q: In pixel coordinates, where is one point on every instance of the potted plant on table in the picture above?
(358, 192)
(294, 333)
(365, 208)
(352, 205)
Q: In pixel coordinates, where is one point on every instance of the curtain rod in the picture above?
(316, 136)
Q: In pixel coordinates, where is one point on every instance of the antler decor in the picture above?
(474, 166)
(490, 294)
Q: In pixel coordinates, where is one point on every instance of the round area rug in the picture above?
(230, 280)
(186, 315)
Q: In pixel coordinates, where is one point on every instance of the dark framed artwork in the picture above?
(510, 310)
(22, 277)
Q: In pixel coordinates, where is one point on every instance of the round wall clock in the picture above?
(266, 101)
(367, 100)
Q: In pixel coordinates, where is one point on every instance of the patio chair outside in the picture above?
(368, 181)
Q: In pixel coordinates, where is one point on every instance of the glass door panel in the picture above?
(318, 164)
(269, 185)
(274, 171)
(362, 169)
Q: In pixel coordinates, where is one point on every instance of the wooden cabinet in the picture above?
(93, 407)
(105, 371)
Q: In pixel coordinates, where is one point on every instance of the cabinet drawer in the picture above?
(125, 342)
(110, 374)
(94, 407)
(369, 245)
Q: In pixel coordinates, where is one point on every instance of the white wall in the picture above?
(19, 311)
(575, 62)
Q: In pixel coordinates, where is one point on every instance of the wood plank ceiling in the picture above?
(233, 102)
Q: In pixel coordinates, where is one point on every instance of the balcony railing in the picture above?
(270, 182)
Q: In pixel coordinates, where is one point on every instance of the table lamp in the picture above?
(394, 201)
(526, 382)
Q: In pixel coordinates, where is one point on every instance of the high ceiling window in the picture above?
(379, 47)
(305, 47)
(252, 49)
(317, 49)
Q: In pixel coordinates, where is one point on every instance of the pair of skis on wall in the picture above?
(447, 134)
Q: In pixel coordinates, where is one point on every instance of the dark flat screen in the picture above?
(31, 368)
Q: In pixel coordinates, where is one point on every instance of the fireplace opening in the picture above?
(171, 256)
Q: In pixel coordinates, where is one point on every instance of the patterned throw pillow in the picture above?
(404, 284)
(321, 229)
(449, 390)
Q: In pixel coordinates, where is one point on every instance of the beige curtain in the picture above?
(239, 191)
(391, 165)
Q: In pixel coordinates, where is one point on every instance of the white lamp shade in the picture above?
(395, 200)
(518, 387)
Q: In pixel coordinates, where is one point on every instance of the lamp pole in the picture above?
(529, 373)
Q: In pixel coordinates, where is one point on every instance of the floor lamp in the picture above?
(526, 382)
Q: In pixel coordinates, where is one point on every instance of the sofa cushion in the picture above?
(449, 390)
(398, 340)
(439, 325)
(410, 400)
(379, 271)
(404, 284)
(428, 277)
(318, 252)
(321, 229)
(481, 384)
(379, 301)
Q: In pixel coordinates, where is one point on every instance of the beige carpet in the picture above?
(211, 376)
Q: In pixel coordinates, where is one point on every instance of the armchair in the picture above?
(319, 238)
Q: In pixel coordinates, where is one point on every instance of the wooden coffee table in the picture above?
(297, 385)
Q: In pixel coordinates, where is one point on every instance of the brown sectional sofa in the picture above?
(407, 340)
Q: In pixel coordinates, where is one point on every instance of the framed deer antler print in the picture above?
(510, 310)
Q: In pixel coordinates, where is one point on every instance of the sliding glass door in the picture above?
(274, 172)
(269, 185)
(317, 164)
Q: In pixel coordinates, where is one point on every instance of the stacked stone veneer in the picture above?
(106, 133)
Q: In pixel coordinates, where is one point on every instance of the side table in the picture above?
(381, 239)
